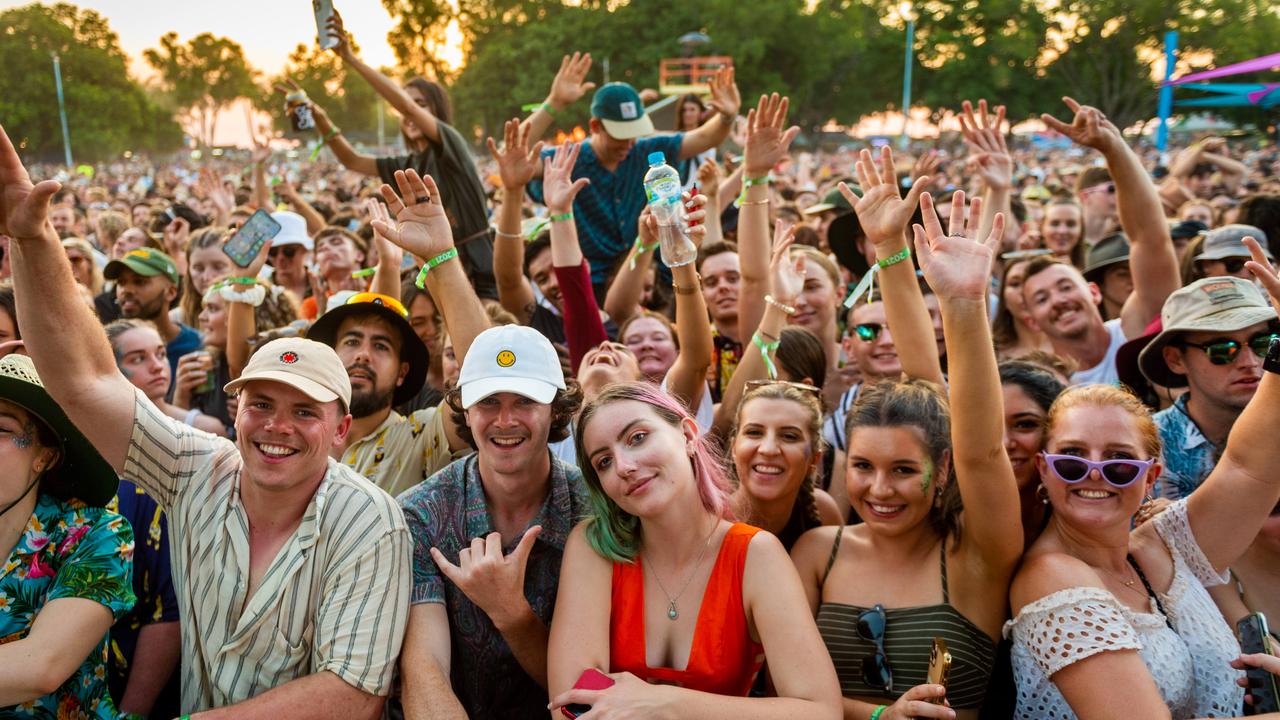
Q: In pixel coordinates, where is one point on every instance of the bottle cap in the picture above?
(657, 158)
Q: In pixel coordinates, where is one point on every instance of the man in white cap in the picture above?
(290, 253)
(489, 533)
(1216, 332)
(291, 570)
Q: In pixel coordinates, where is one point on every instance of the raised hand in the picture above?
(988, 153)
(517, 162)
(766, 142)
(494, 582)
(1089, 127)
(1262, 270)
(421, 227)
(339, 32)
(24, 208)
(388, 252)
(786, 274)
(725, 98)
(709, 177)
(558, 187)
(927, 165)
(176, 235)
(569, 85)
(956, 264)
(882, 211)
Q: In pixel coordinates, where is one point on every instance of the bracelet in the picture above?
(561, 216)
(787, 309)
(748, 183)
(768, 336)
(1272, 362)
(639, 249)
(315, 151)
(436, 261)
(895, 258)
(875, 714)
(513, 236)
(765, 349)
(765, 201)
(253, 297)
(692, 290)
(367, 272)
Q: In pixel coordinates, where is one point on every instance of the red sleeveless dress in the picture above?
(723, 659)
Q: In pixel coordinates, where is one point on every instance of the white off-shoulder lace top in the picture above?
(1189, 661)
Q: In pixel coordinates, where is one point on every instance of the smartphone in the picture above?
(590, 679)
(939, 666)
(257, 231)
(1255, 638)
(323, 10)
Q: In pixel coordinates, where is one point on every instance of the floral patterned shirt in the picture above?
(68, 550)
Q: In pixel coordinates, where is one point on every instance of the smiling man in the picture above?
(489, 533)
(146, 284)
(1216, 333)
(291, 571)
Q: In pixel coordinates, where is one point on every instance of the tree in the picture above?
(202, 77)
(107, 112)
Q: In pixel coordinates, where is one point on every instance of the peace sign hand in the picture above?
(24, 208)
(956, 265)
(516, 161)
(421, 226)
(495, 583)
(882, 211)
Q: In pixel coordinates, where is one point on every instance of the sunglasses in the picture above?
(806, 387)
(1108, 188)
(1117, 473)
(1224, 352)
(868, 332)
(288, 250)
(876, 671)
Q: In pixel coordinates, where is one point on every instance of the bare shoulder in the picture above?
(828, 510)
(1044, 573)
(814, 545)
(579, 553)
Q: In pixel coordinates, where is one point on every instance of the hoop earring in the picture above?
(1042, 493)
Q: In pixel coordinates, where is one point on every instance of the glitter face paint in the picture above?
(926, 479)
(24, 439)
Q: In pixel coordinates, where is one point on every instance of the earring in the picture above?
(1042, 492)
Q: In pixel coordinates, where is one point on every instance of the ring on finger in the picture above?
(422, 199)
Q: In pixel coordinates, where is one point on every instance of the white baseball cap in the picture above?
(510, 358)
(293, 230)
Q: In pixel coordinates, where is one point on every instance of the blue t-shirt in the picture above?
(606, 210)
(186, 341)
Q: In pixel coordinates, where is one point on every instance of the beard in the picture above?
(366, 403)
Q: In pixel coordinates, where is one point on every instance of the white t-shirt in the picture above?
(1105, 372)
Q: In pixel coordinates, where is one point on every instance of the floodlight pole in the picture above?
(906, 75)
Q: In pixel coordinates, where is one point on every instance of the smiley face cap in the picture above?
(510, 358)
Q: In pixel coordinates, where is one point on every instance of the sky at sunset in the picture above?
(268, 30)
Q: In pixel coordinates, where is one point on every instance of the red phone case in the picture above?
(590, 679)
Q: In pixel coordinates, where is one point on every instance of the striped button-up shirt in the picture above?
(335, 598)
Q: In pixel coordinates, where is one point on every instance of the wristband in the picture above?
(315, 151)
(875, 714)
(787, 309)
(895, 258)
(436, 261)
(765, 349)
(561, 216)
(640, 248)
(547, 106)
(366, 272)
(252, 297)
(747, 184)
(1272, 362)
(241, 280)
(744, 203)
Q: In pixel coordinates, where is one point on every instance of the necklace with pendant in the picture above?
(672, 611)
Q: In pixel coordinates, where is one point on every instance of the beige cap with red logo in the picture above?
(310, 366)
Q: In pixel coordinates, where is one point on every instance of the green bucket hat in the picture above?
(81, 472)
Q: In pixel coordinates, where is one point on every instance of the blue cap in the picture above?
(657, 158)
(618, 106)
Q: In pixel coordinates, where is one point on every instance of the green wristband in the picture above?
(242, 280)
(561, 216)
(748, 183)
(366, 272)
(315, 151)
(875, 714)
(895, 259)
(436, 261)
(765, 349)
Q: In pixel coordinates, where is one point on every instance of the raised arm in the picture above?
(958, 267)
(1214, 150)
(516, 165)
(989, 156)
(288, 193)
(383, 85)
(567, 88)
(332, 136)
(386, 276)
(583, 328)
(421, 228)
(1153, 262)
(884, 214)
(709, 185)
(688, 376)
(1227, 511)
(623, 297)
(766, 145)
(242, 324)
(725, 100)
(62, 334)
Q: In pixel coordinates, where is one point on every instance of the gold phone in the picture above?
(939, 665)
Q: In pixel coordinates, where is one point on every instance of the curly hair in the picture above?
(564, 406)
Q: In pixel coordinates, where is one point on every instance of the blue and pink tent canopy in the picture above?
(1261, 95)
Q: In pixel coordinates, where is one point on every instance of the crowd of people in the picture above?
(457, 442)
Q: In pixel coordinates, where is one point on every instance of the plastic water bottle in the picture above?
(662, 188)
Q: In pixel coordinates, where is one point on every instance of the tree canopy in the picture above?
(201, 77)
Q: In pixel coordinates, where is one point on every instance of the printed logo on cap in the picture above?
(1221, 292)
(289, 358)
(628, 110)
(139, 253)
(506, 359)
